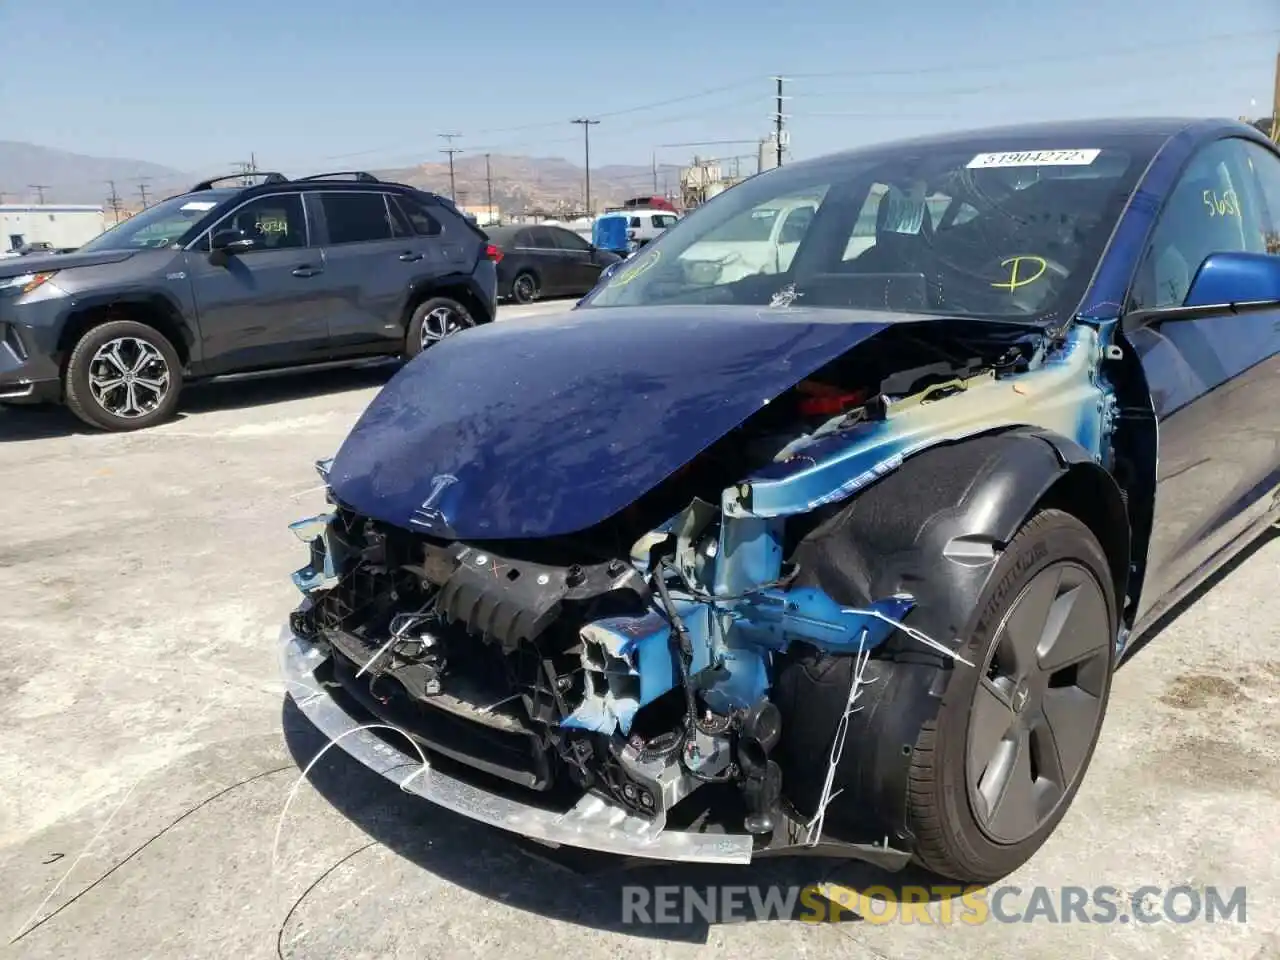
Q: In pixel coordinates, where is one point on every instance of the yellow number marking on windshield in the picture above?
(626, 276)
(1015, 268)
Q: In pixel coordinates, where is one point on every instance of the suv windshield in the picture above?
(949, 230)
(161, 225)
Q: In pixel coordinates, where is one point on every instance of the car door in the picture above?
(582, 267)
(1213, 380)
(371, 258)
(554, 264)
(263, 306)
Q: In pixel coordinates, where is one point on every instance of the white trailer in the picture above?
(58, 225)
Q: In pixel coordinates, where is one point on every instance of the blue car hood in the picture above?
(547, 426)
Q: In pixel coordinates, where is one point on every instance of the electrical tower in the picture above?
(451, 150)
(39, 188)
(586, 146)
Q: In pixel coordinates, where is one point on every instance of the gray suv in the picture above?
(233, 279)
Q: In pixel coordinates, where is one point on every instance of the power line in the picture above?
(587, 124)
(548, 124)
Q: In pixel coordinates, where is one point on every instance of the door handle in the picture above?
(306, 270)
(409, 256)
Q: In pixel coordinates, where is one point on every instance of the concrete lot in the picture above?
(147, 753)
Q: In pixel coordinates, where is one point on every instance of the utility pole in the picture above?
(451, 150)
(1275, 106)
(655, 174)
(587, 124)
(778, 118)
(142, 192)
(39, 188)
(114, 201)
(488, 179)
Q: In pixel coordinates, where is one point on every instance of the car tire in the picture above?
(524, 288)
(432, 321)
(1053, 573)
(123, 376)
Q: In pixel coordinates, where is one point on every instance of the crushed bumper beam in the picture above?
(592, 824)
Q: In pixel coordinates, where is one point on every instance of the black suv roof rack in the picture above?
(358, 175)
(267, 177)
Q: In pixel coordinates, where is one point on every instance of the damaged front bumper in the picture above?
(592, 824)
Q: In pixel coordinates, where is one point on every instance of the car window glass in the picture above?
(635, 222)
(272, 222)
(1040, 221)
(541, 239)
(796, 224)
(1266, 166)
(425, 224)
(1215, 207)
(568, 240)
(400, 224)
(356, 217)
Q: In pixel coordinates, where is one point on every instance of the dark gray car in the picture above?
(223, 280)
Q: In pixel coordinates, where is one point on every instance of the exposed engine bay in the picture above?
(636, 661)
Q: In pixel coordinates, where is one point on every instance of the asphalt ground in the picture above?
(147, 754)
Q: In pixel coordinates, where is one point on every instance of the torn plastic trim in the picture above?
(593, 823)
(1065, 394)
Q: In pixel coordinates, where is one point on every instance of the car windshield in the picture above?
(950, 230)
(161, 225)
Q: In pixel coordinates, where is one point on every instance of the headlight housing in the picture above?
(24, 283)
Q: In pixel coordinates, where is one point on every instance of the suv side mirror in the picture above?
(227, 243)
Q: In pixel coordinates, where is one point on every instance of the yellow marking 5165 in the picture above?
(1016, 276)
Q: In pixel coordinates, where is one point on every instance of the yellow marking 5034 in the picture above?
(1020, 276)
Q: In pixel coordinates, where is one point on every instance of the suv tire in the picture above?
(123, 376)
(432, 321)
(1051, 600)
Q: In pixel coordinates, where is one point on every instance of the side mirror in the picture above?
(227, 243)
(1226, 283)
(1235, 278)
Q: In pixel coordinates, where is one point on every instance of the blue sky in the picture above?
(372, 84)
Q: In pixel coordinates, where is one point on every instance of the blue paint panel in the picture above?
(548, 426)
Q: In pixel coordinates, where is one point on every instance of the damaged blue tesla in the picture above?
(823, 522)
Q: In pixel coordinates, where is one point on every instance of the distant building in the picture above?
(59, 225)
(483, 213)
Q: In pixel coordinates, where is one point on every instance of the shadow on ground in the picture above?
(48, 421)
(496, 866)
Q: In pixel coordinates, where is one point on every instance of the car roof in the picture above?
(1147, 134)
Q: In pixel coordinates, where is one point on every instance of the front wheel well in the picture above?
(1089, 494)
(156, 313)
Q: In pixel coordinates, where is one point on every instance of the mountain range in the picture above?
(519, 183)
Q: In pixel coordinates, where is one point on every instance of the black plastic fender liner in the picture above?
(933, 529)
